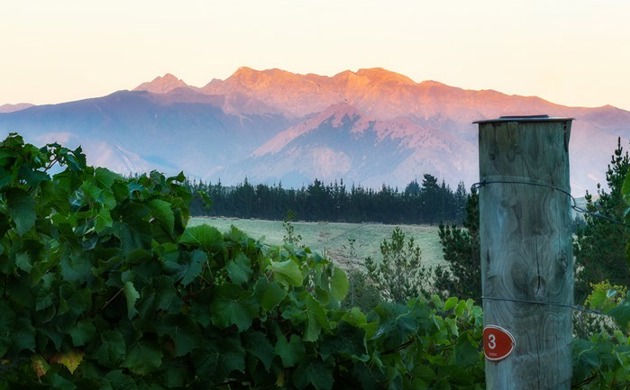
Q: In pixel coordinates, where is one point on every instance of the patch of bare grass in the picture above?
(333, 239)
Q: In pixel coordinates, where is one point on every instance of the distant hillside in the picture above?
(6, 108)
(370, 127)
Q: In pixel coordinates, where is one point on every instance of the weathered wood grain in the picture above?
(526, 249)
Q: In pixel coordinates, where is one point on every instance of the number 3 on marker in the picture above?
(492, 341)
(498, 343)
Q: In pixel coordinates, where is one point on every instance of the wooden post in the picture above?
(526, 251)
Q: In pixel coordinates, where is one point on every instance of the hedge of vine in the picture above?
(104, 286)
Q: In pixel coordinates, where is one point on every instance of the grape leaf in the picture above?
(39, 365)
(23, 262)
(112, 350)
(132, 295)
(621, 314)
(162, 212)
(105, 178)
(466, 354)
(21, 208)
(269, 294)
(258, 345)
(316, 319)
(82, 332)
(239, 269)
(116, 379)
(230, 307)
(291, 352)
(184, 332)
(166, 293)
(191, 270)
(203, 236)
(73, 264)
(339, 284)
(217, 359)
(314, 373)
(71, 359)
(23, 335)
(287, 272)
(232, 356)
(355, 317)
(143, 358)
(103, 220)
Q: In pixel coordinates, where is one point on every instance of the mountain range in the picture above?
(369, 127)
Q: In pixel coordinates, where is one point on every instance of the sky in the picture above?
(571, 52)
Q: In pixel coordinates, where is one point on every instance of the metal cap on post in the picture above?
(526, 251)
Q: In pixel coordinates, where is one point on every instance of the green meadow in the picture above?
(333, 239)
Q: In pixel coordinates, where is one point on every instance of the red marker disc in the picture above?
(498, 343)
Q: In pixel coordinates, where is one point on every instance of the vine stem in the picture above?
(112, 298)
(400, 347)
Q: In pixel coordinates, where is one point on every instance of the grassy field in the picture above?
(332, 239)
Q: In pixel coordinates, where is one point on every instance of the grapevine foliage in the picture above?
(601, 360)
(104, 286)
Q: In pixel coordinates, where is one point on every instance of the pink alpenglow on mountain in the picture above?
(369, 127)
(162, 84)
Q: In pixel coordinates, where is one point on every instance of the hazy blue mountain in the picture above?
(138, 131)
(367, 127)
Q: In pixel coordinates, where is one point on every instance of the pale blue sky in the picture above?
(570, 52)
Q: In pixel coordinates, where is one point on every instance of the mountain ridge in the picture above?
(372, 126)
(298, 95)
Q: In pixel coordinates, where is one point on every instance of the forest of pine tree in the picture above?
(428, 202)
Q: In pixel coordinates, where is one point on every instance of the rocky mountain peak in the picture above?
(380, 75)
(162, 84)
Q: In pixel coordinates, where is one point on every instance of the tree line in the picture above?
(427, 202)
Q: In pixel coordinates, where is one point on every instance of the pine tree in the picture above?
(462, 276)
(400, 275)
(430, 196)
(600, 245)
